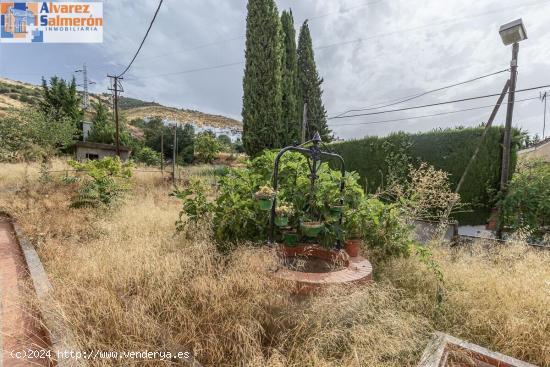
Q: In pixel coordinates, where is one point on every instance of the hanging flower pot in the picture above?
(283, 212)
(312, 229)
(265, 197)
(352, 247)
(265, 204)
(290, 238)
(281, 221)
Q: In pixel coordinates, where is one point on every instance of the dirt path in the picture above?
(20, 331)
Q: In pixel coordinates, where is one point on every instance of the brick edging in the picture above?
(60, 335)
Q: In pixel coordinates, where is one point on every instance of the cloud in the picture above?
(406, 47)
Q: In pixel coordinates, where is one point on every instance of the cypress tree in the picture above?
(291, 120)
(310, 87)
(262, 91)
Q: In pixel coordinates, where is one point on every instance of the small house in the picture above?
(86, 150)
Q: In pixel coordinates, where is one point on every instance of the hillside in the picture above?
(15, 94)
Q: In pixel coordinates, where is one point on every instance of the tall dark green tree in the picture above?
(291, 117)
(61, 99)
(103, 128)
(310, 87)
(262, 90)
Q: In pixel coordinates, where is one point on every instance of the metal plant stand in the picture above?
(312, 150)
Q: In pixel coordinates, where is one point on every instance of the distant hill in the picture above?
(15, 94)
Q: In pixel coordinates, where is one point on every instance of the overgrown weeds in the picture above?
(124, 280)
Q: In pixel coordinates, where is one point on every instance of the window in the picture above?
(92, 157)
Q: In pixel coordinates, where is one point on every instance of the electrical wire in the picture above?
(415, 96)
(437, 104)
(190, 70)
(431, 115)
(143, 40)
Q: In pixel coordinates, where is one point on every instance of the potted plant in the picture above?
(290, 237)
(353, 224)
(311, 228)
(336, 209)
(283, 212)
(265, 197)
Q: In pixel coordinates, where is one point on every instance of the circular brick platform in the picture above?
(356, 269)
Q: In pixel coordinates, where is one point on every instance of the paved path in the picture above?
(19, 330)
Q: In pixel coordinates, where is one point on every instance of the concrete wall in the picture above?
(81, 153)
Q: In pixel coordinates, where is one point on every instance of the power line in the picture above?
(190, 70)
(143, 40)
(415, 96)
(435, 104)
(430, 115)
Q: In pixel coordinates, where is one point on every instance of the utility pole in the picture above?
(304, 123)
(116, 88)
(174, 153)
(507, 146)
(544, 98)
(162, 151)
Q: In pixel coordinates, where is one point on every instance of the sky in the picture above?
(369, 52)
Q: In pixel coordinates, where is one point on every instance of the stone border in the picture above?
(60, 335)
(357, 269)
(442, 345)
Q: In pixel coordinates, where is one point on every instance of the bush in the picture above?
(148, 156)
(380, 161)
(527, 202)
(207, 147)
(107, 179)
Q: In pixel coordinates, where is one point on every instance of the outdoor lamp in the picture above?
(513, 32)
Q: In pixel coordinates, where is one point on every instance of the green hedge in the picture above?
(377, 158)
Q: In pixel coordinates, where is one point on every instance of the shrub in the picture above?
(527, 202)
(196, 207)
(381, 161)
(148, 156)
(207, 147)
(108, 178)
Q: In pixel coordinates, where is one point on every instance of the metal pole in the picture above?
(304, 123)
(507, 144)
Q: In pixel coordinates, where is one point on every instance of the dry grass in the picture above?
(125, 281)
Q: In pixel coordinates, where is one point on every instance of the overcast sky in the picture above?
(367, 51)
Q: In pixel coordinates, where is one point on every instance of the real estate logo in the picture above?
(51, 22)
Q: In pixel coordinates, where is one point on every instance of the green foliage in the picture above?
(526, 205)
(384, 230)
(147, 156)
(207, 147)
(154, 129)
(291, 111)
(310, 87)
(196, 206)
(107, 179)
(380, 161)
(30, 134)
(60, 100)
(126, 103)
(103, 128)
(262, 82)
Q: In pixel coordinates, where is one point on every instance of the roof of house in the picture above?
(88, 144)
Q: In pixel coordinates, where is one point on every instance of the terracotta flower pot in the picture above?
(352, 247)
